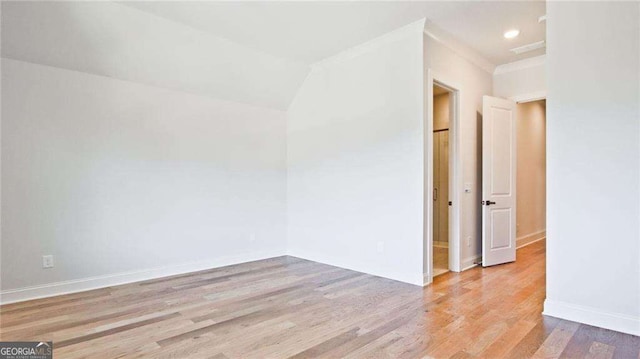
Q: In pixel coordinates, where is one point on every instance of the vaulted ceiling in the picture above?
(251, 52)
(311, 31)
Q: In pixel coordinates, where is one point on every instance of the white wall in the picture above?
(111, 176)
(355, 159)
(521, 79)
(531, 172)
(593, 149)
(473, 82)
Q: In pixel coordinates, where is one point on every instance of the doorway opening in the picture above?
(531, 172)
(441, 189)
(442, 173)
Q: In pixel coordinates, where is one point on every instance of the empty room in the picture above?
(320, 179)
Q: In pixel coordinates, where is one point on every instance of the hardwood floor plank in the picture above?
(555, 343)
(324, 347)
(508, 340)
(101, 334)
(600, 351)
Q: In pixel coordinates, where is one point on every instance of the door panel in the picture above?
(498, 181)
(501, 151)
(500, 228)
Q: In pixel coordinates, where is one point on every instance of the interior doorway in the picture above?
(441, 182)
(531, 172)
(513, 177)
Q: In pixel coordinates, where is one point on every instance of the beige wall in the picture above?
(441, 112)
(531, 206)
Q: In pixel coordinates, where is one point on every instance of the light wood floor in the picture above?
(440, 260)
(287, 307)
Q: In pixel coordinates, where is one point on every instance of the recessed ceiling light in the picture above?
(511, 34)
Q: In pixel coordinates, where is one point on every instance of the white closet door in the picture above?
(498, 181)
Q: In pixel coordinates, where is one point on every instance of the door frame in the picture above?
(529, 97)
(455, 178)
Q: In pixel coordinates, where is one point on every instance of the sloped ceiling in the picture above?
(251, 52)
(310, 31)
(121, 42)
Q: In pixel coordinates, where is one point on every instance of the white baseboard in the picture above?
(470, 262)
(84, 284)
(530, 238)
(592, 316)
(425, 280)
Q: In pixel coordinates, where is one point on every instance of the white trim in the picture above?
(471, 262)
(529, 97)
(427, 279)
(84, 284)
(465, 51)
(400, 33)
(530, 238)
(592, 316)
(521, 65)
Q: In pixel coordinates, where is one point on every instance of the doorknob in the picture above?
(488, 203)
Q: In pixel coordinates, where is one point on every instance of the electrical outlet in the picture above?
(468, 241)
(380, 247)
(47, 261)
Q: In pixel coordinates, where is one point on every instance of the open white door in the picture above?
(498, 181)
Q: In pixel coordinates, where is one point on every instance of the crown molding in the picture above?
(521, 65)
(412, 28)
(465, 51)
